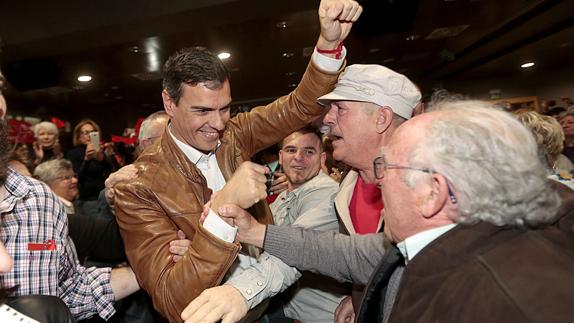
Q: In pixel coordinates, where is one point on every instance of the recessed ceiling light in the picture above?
(527, 65)
(223, 55)
(412, 37)
(287, 55)
(282, 24)
(374, 50)
(84, 78)
(134, 49)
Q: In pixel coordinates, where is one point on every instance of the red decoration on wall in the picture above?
(20, 132)
(59, 123)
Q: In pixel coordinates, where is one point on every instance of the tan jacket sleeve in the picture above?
(267, 125)
(147, 228)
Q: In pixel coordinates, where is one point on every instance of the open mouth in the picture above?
(210, 135)
(335, 138)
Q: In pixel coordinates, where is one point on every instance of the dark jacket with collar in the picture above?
(170, 194)
(483, 273)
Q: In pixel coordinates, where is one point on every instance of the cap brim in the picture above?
(333, 96)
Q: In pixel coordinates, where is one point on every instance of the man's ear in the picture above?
(168, 103)
(280, 156)
(323, 158)
(436, 196)
(419, 109)
(384, 119)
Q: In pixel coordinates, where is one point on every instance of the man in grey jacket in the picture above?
(476, 240)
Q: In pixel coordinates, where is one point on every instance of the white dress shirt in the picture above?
(412, 245)
(267, 273)
(207, 164)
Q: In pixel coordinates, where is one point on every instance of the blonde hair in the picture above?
(546, 130)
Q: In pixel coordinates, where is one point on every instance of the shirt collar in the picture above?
(191, 153)
(412, 245)
(68, 206)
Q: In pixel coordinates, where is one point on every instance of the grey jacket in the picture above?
(327, 253)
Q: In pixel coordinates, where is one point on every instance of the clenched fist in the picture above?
(245, 188)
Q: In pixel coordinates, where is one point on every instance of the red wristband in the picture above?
(337, 51)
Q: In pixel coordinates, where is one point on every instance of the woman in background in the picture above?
(550, 139)
(46, 145)
(567, 123)
(90, 165)
(20, 160)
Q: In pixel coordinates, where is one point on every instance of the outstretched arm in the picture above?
(345, 258)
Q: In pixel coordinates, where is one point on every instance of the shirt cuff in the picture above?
(249, 278)
(328, 64)
(219, 228)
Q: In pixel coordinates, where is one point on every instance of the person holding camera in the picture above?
(90, 164)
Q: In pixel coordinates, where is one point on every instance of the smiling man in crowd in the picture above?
(203, 151)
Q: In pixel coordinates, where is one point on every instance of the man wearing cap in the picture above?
(367, 105)
(467, 245)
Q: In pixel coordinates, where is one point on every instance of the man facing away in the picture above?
(197, 155)
(469, 211)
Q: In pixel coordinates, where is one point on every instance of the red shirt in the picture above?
(365, 207)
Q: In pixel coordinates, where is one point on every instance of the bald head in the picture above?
(152, 128)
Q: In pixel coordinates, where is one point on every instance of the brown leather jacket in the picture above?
(170, 193)
(482, 273)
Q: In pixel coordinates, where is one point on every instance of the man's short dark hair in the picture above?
(305, 130)
(192, 66)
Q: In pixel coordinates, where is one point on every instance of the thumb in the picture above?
(334, 11)
(180, 235)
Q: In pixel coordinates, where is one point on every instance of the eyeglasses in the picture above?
(87, 132)
(381, 166)
(67, 177)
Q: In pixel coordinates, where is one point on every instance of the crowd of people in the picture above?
(376, 207)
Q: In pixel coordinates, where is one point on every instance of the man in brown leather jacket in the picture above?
(199, 152)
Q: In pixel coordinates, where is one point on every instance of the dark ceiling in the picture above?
(122, 44)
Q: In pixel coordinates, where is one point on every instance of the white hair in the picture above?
(145, 126)
(492, 162)
(49, 171)
(46, 125)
